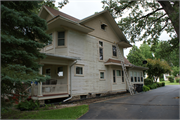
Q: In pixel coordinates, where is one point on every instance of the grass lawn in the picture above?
(64, 113)
(168, 83)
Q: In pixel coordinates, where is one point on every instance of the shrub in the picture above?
(163, 84)
(28, 105)
(177, 80)
(153, 86)
(148, 81)
(159, 84)
(171, 79)
(161, 79)
(145, 88)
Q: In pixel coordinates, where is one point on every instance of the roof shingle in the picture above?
(118, 61)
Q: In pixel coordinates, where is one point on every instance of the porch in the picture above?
(58, 68)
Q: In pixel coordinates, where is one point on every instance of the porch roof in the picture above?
(126, 62)
(61, 56)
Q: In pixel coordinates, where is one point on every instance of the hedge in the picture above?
(145, 88)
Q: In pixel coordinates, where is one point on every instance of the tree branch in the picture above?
(150, 13)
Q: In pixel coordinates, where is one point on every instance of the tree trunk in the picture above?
(173, 13)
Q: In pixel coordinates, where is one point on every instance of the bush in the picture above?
(145, 88)
(161, 79)
(177, 80)
(163, 84)
(28, 105)
(171, 79)
(159, 84)
(153, 86)
(148, 81)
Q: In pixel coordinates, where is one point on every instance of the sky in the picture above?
(83, 8)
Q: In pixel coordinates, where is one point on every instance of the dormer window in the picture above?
(103, 26)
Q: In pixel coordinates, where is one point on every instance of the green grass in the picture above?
(168, 83)
(65, 113)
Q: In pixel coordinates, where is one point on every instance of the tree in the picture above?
(135, 56)
(22, 37)
(157, 68)
(146, 18)
(162, 50)
(176, 71)
(146, 51)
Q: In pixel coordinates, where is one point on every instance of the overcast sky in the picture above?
(84, 8)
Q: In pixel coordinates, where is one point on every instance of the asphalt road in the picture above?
(160, 103)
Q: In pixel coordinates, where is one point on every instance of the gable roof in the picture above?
(56, 13)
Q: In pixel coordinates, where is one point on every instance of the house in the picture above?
(82, 58)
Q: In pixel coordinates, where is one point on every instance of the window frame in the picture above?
(142, 79)
(103, 71)
(79, 65)
(102, 47)
(123, 78)
(105, 26)
(119, 72)
(61, 38)
(112, 51)
(131, 76)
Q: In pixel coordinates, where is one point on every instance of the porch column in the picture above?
(40, 84)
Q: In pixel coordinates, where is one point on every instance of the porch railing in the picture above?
(50, 89)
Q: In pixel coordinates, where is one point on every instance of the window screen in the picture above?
(79, 70)
(61, 38)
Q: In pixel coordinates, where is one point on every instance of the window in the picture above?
(114, 50)
(118, 72)
(60, 71)
(61, 38)
(138, 76)
(122, 76)
(102, 75)
(135, 78)
(114, 76)
(79, 70)
(141, 77)
(103, 26)
(131, 74)
(100, 50)
(50, 41)
(48, 72)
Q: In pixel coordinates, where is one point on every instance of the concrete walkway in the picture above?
(160, 103)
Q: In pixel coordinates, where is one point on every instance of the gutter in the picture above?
(70, 82)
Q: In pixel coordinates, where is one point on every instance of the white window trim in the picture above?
(65, 39)
(100, 75)
(79, 65)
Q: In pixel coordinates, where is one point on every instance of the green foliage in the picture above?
(176, 71)
(148, 81)
(145, 88)
(152, 86)
(161, 79)
(146, 18)
(168, 51)
(22, 36)
(177, 80)
(135, 56)
(146, 51)
(171, 79)
(163, 83)
(157, 67)
(28, 105)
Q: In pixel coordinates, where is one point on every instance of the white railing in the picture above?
(50, 89)
(54, 89)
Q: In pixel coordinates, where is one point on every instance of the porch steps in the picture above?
(121, 58)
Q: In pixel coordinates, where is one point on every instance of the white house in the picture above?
(82, 58)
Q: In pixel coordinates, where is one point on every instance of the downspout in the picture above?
(70, 83)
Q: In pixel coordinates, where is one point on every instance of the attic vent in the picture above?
(103, 26)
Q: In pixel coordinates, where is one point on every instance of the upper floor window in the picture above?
(61, 38)
(131, 74)
(118, 72)
(100, 50)
(114, 50)
(79, 70)
(103, 26)
(50, 41)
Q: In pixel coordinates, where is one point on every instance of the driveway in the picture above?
(160, 103)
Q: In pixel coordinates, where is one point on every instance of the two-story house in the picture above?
(82, 58)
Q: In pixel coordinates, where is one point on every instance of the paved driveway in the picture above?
(159, 103)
